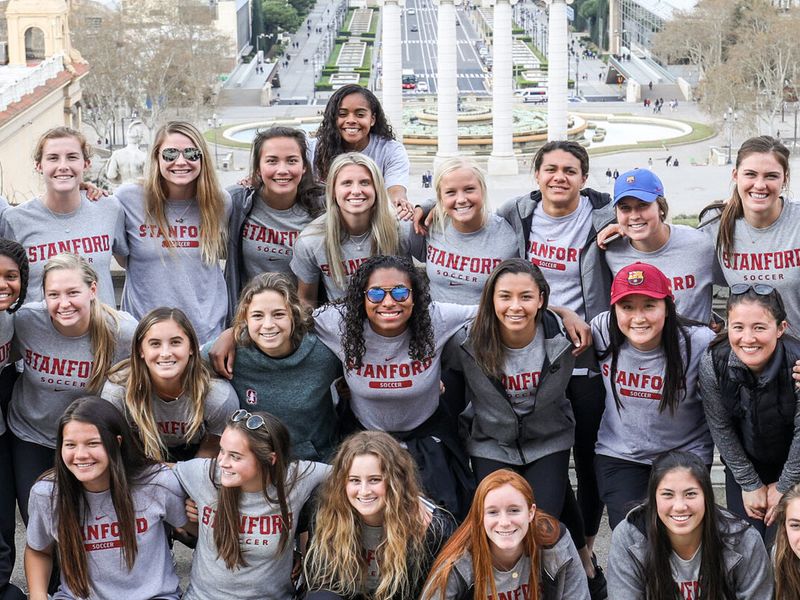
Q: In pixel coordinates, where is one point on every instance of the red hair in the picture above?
(471, 538)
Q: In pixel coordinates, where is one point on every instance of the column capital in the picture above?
(400, 3)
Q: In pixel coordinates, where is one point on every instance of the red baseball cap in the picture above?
(640, 278)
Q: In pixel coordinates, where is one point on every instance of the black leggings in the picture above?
(30, 461)
(623, 485)
(587, 395)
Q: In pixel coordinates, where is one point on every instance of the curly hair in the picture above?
(309, 192)
(16, 252)
(420, 346)
(329, 140)
(335, 560)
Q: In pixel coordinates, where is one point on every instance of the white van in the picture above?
(535, 95)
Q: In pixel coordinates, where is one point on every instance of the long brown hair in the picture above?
(787, 565)
(733, 209)
(209, 195)
(470, 538)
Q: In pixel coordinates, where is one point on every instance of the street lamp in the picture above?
(260, 37)
(213, 123)
(730, 117)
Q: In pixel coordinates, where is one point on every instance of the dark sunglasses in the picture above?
(762, 289)
(250, 421)
(190, 154)
(399, 293)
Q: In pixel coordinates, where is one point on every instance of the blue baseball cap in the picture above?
(641, 184)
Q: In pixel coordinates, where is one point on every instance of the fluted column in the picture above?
(557, 70)
(392, 75)
(502, 160)
(447, 80)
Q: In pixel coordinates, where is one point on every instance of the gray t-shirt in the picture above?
(458, 264)
(371, 538)
(95, 231)
(510, 585)
(390, 156)
(157, 501)
(390, 391)
(687, 259)
(57, 371)
(769, 255)
(686, 574)
(173, 418)
(268, 237)
(267, 575)
(555, 245)
(177, 276)
(522, 369)
(6, 335)
(638, 432)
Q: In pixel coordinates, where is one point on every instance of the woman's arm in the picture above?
(308, 293)
(38, 567)
(577, 329)
(399, 199)
(790, 474)
(209, 446)
(222, 354)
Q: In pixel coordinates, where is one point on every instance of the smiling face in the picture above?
(560, 180)
(641, 320)
(239, 466)
(462, 199)
(753, 334)
(281, 167)
(354, 191)
(639, 220)
(166, 350)
(69, 301)
(680, 504)
(759, 179)
(793, 525)
(366, 488)
(269, 324)
(389, 317)
(517, 300)
(85, 456)
(354, 120)
(62, 165)
(506, 519)
(180, 175)
(10, 282)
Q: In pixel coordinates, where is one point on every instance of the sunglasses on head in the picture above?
(762, 289)
(190, 154)
(399, 293)
(250, 421)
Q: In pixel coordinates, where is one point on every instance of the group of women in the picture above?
(316, 418)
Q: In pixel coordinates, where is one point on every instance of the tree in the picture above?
(279, 15)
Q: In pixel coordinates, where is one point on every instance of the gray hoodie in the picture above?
(747, 565)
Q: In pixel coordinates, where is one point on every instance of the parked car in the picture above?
(414, 28)
(422, 86)
(411, 11)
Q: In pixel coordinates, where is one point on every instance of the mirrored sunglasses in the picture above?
(190, 154)
(399, 293)
(250, 421)
(762, 289)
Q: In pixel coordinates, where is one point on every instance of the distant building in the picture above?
(40, 77)
(632, 23)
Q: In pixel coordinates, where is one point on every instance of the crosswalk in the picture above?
(459, 76)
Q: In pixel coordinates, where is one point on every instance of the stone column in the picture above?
(502, 160)
(557, 70)
(391, 82)
(447, 81)
(614, 27)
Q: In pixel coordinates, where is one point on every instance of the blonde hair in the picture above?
(209, 195)
(335, 559)
(133, 374)
(103, 319)
(383, 225)
(57, 133)
(440, 217)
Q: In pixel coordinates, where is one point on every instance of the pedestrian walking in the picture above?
(669, 159)
(616, 174)
(608, 175)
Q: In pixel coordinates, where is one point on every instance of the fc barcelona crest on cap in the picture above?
(635, 277)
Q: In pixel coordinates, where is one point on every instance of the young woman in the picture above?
(756, 232)
(682, 253)
(507, 548)
(464, 242)
(787, 546)
(68, 343)
(516, 363)
(13, 285)
(357, 224)
(166, 391)
(752, 405)
(354, 121)
(102, 512)
(65, 220)
(649, 358)
(680, 544)
(176, 224)
(248, 500)
(376, 537)
(268, 217)
(556, 227)
(281, 367)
